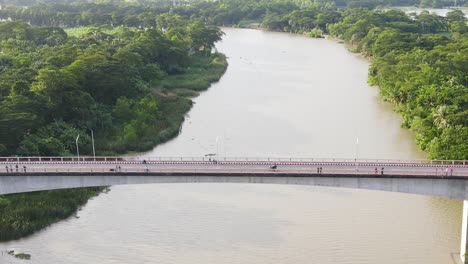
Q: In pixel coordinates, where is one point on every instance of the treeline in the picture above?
(369, 4)
(85, 14)
(285, 15)
(24, 214)
(126, 85)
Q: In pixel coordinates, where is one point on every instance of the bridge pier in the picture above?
(464, 234)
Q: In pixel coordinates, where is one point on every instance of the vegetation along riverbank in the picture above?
(25, 213)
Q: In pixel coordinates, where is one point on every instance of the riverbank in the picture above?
(174, 95)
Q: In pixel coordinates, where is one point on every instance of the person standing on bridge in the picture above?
(6, 167)
(451, 171)
(16, 167)
(381, 171)
(376, 171)
(24, 168)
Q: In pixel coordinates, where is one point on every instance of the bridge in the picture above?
(435, 178)
(443, 178)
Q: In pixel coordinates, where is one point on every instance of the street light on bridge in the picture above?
(92, 141)
(356, 154)
(217, 148)
(77, 148)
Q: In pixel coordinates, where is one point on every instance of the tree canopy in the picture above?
(55, 85)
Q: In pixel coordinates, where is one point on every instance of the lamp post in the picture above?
(92, 141)
(217, 149)
(356, 155)
(77, 148)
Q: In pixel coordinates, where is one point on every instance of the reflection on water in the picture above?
(283, 95)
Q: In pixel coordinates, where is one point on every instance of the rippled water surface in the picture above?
(283, 95)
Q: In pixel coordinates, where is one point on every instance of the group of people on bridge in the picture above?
(448, 172)
(376, 171)
(16, 168)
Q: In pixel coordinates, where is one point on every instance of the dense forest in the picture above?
(127, 85)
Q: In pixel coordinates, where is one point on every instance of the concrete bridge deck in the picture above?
(438, 178)
(231, 166)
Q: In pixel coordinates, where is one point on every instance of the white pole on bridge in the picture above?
(217, 148)
(92, 141)
(356, 155)
(77, 148)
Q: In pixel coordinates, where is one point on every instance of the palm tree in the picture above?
(440, 117)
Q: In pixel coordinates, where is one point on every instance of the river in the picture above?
(283, 95)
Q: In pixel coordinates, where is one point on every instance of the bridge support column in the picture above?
(464, 234)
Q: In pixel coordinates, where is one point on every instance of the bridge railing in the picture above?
(210, 158)
(62, 171)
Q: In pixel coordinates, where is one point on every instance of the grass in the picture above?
(80, 31)
(203, 71)
(23, 256)
(19, 255)
(249, 23)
